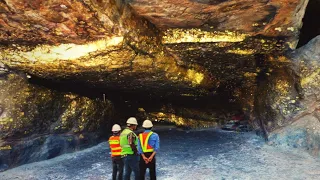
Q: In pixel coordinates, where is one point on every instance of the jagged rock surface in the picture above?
(191, 45)
(45, 122)
(291, 109)
(182, 48)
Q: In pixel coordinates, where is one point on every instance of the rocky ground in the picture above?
(199, 154)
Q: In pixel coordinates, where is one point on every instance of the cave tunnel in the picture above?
(211, 109)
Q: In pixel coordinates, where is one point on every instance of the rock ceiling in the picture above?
(266, 17)
(186, 46)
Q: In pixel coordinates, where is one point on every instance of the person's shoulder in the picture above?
(154, 133)
(132, 133)
(139, 133)
(110, 138)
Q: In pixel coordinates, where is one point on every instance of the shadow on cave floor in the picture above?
(202, 154)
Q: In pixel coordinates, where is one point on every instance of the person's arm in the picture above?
(131, 139)
(110, 147)
(156, 147)
(139, 147)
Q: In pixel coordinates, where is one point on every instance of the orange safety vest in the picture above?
(114, 142)
(144, 138)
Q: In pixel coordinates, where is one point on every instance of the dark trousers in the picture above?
(131, 163)
(117, 165)
(151, 165)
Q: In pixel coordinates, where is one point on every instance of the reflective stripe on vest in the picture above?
(114, 142)
(124, 143)
(144, 138)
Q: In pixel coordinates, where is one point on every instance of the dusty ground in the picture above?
(197, 155)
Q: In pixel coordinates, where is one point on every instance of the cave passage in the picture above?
(129, 103)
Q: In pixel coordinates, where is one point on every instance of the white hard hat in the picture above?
(115, 128)
(132, 120)
(147, 124)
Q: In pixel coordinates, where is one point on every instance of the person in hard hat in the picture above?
(129, 152)
(114, 142)
(149, 144)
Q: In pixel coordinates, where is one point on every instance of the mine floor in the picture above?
(195, 155)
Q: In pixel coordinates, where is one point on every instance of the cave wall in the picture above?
(289, 113)
(38, 123)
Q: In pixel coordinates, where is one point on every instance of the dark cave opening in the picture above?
(311, 25)
(127, 103)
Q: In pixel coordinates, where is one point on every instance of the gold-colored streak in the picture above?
(197, 35)
(310, 78)
(250, 74)
(195, 77)
(161, 114)
(7, 147)
(179, 120)
(47, 53)
(241, 51)
(282, 86)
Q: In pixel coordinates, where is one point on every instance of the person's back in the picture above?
(114, 143)
(149, 144)
(124, 142)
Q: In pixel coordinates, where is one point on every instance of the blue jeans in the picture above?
(131, 163)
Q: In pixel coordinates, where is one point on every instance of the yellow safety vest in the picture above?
(144, 138)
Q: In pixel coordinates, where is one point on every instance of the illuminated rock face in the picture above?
(100, 42)
(27, 109)
(106, 43)
(290, 111)
(45, 122)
